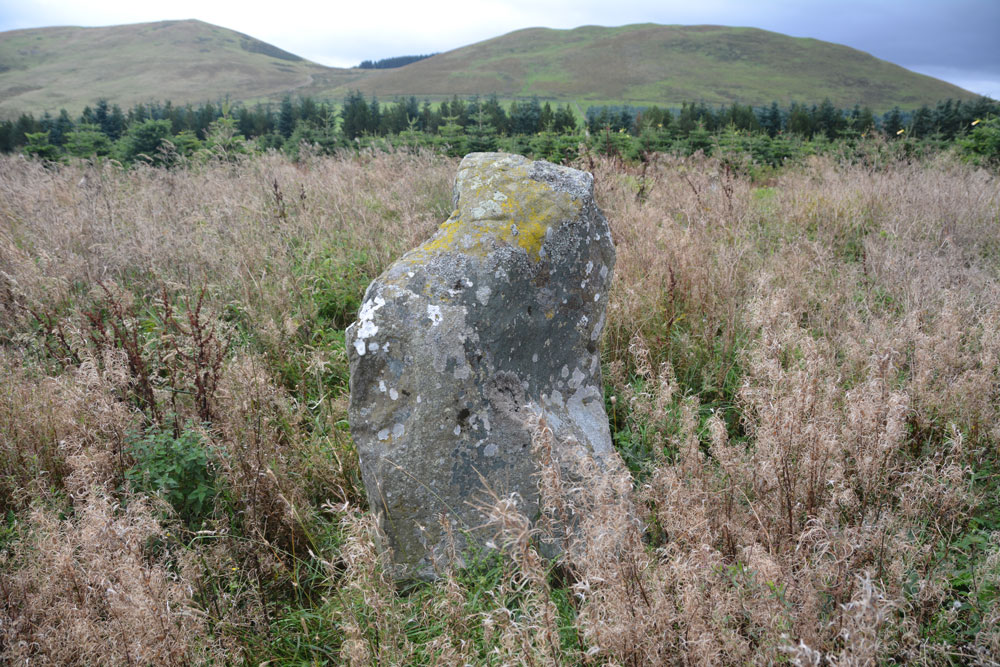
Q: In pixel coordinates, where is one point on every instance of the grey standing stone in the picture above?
(496, 317)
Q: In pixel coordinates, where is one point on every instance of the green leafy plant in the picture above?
(179, 467)
(982, 145)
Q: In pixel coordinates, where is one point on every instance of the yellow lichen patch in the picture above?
(512, 210)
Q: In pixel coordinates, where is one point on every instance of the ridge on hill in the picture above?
(46, 69)
(659, 64)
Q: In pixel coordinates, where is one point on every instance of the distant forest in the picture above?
(768, 135)
(391, 63)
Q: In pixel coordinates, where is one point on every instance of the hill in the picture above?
(192, 61)
(656, 64)
(182, 61)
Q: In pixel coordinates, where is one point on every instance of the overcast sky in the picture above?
(955, 40)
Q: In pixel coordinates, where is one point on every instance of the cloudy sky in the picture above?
(955, 40)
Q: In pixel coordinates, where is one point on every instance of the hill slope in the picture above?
(191, 61)
(182, 61)
(659, 64)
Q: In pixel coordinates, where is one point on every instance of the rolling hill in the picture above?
(182, 61)
(45, 69)
(657, 64)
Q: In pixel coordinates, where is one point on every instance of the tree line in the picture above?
(391, 63)
(946, 120)
(770, 134)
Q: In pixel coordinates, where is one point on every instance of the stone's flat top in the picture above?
(493, 320)
(510, 200)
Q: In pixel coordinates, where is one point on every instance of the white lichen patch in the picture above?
(483, 294)
(398, 430)
(484, 419)
(556, 398)
(458, 430)
(596, 333)
(393, 394)
(367, 327)
(487, 210)
(586, 410)
(434, 313)
(369, 308)
(588, 269)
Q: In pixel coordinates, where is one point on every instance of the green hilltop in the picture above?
(657, 64)
(46, 69)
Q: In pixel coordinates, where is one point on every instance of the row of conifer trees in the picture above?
(459, 125)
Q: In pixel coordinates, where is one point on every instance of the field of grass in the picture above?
(802, 377)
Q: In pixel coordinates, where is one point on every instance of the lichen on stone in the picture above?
(500, 203)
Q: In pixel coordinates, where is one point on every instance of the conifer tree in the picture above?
(563, 120)
(771, 120)
(546, 118)
(480, 134)
(374, 124)
(922, 123)
(497, 116)
(453, 136)
(87, 140)
(892, 122)
(354, 115)
(38, 144)
(286, 117)
(829, 119)
(801, 121)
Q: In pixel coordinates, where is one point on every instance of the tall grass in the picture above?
(802, 377)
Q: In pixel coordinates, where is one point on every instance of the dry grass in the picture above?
(804, 381)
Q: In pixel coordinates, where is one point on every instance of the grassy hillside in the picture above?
(182, 61)
(659, 64)
(191, 61)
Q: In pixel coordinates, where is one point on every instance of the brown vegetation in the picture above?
(803, 378)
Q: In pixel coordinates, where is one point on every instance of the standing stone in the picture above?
(496, 317)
